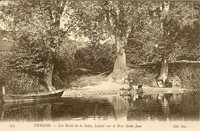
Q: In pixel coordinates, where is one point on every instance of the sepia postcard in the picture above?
(99, 65)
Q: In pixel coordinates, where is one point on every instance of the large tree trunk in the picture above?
(163, 72)
(1, 94)
(1, 110)
(120, 68)
(49, 77)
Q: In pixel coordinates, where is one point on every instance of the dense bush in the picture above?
(23, 84)
(98, 58)
(185, 77)
(141, 76)
(3, 70)
(190, 77)
(14, 82)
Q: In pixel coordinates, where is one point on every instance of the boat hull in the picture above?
(10, 98)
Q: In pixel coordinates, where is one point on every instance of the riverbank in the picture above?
(111, 88)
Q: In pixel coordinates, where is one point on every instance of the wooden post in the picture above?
(3, 90)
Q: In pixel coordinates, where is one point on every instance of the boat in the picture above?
(35, 97)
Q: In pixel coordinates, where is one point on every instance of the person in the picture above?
(131, 84)
(140, 90)
(126, 80)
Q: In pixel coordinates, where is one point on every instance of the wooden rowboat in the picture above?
(10, 98)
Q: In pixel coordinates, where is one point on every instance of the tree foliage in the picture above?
(46, 33)
(164, 32)
(38, 37)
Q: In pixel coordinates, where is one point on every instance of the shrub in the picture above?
(190, 77)
(141, 76)
(3, 71)
(23, 84)
(59, 83)
(14, 82)
(98, 58)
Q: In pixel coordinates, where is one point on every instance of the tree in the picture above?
(105, 20)
(162, 34)
(38, 36)
(173, 17)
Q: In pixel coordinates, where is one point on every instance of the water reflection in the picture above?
(131, 107)
(82, 109)
(35, 112)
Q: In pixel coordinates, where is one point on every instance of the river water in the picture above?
(151, 107)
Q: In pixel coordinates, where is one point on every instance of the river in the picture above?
(151, 107)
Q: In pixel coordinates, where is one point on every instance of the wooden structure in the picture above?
(35, 97)
(182, 62)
